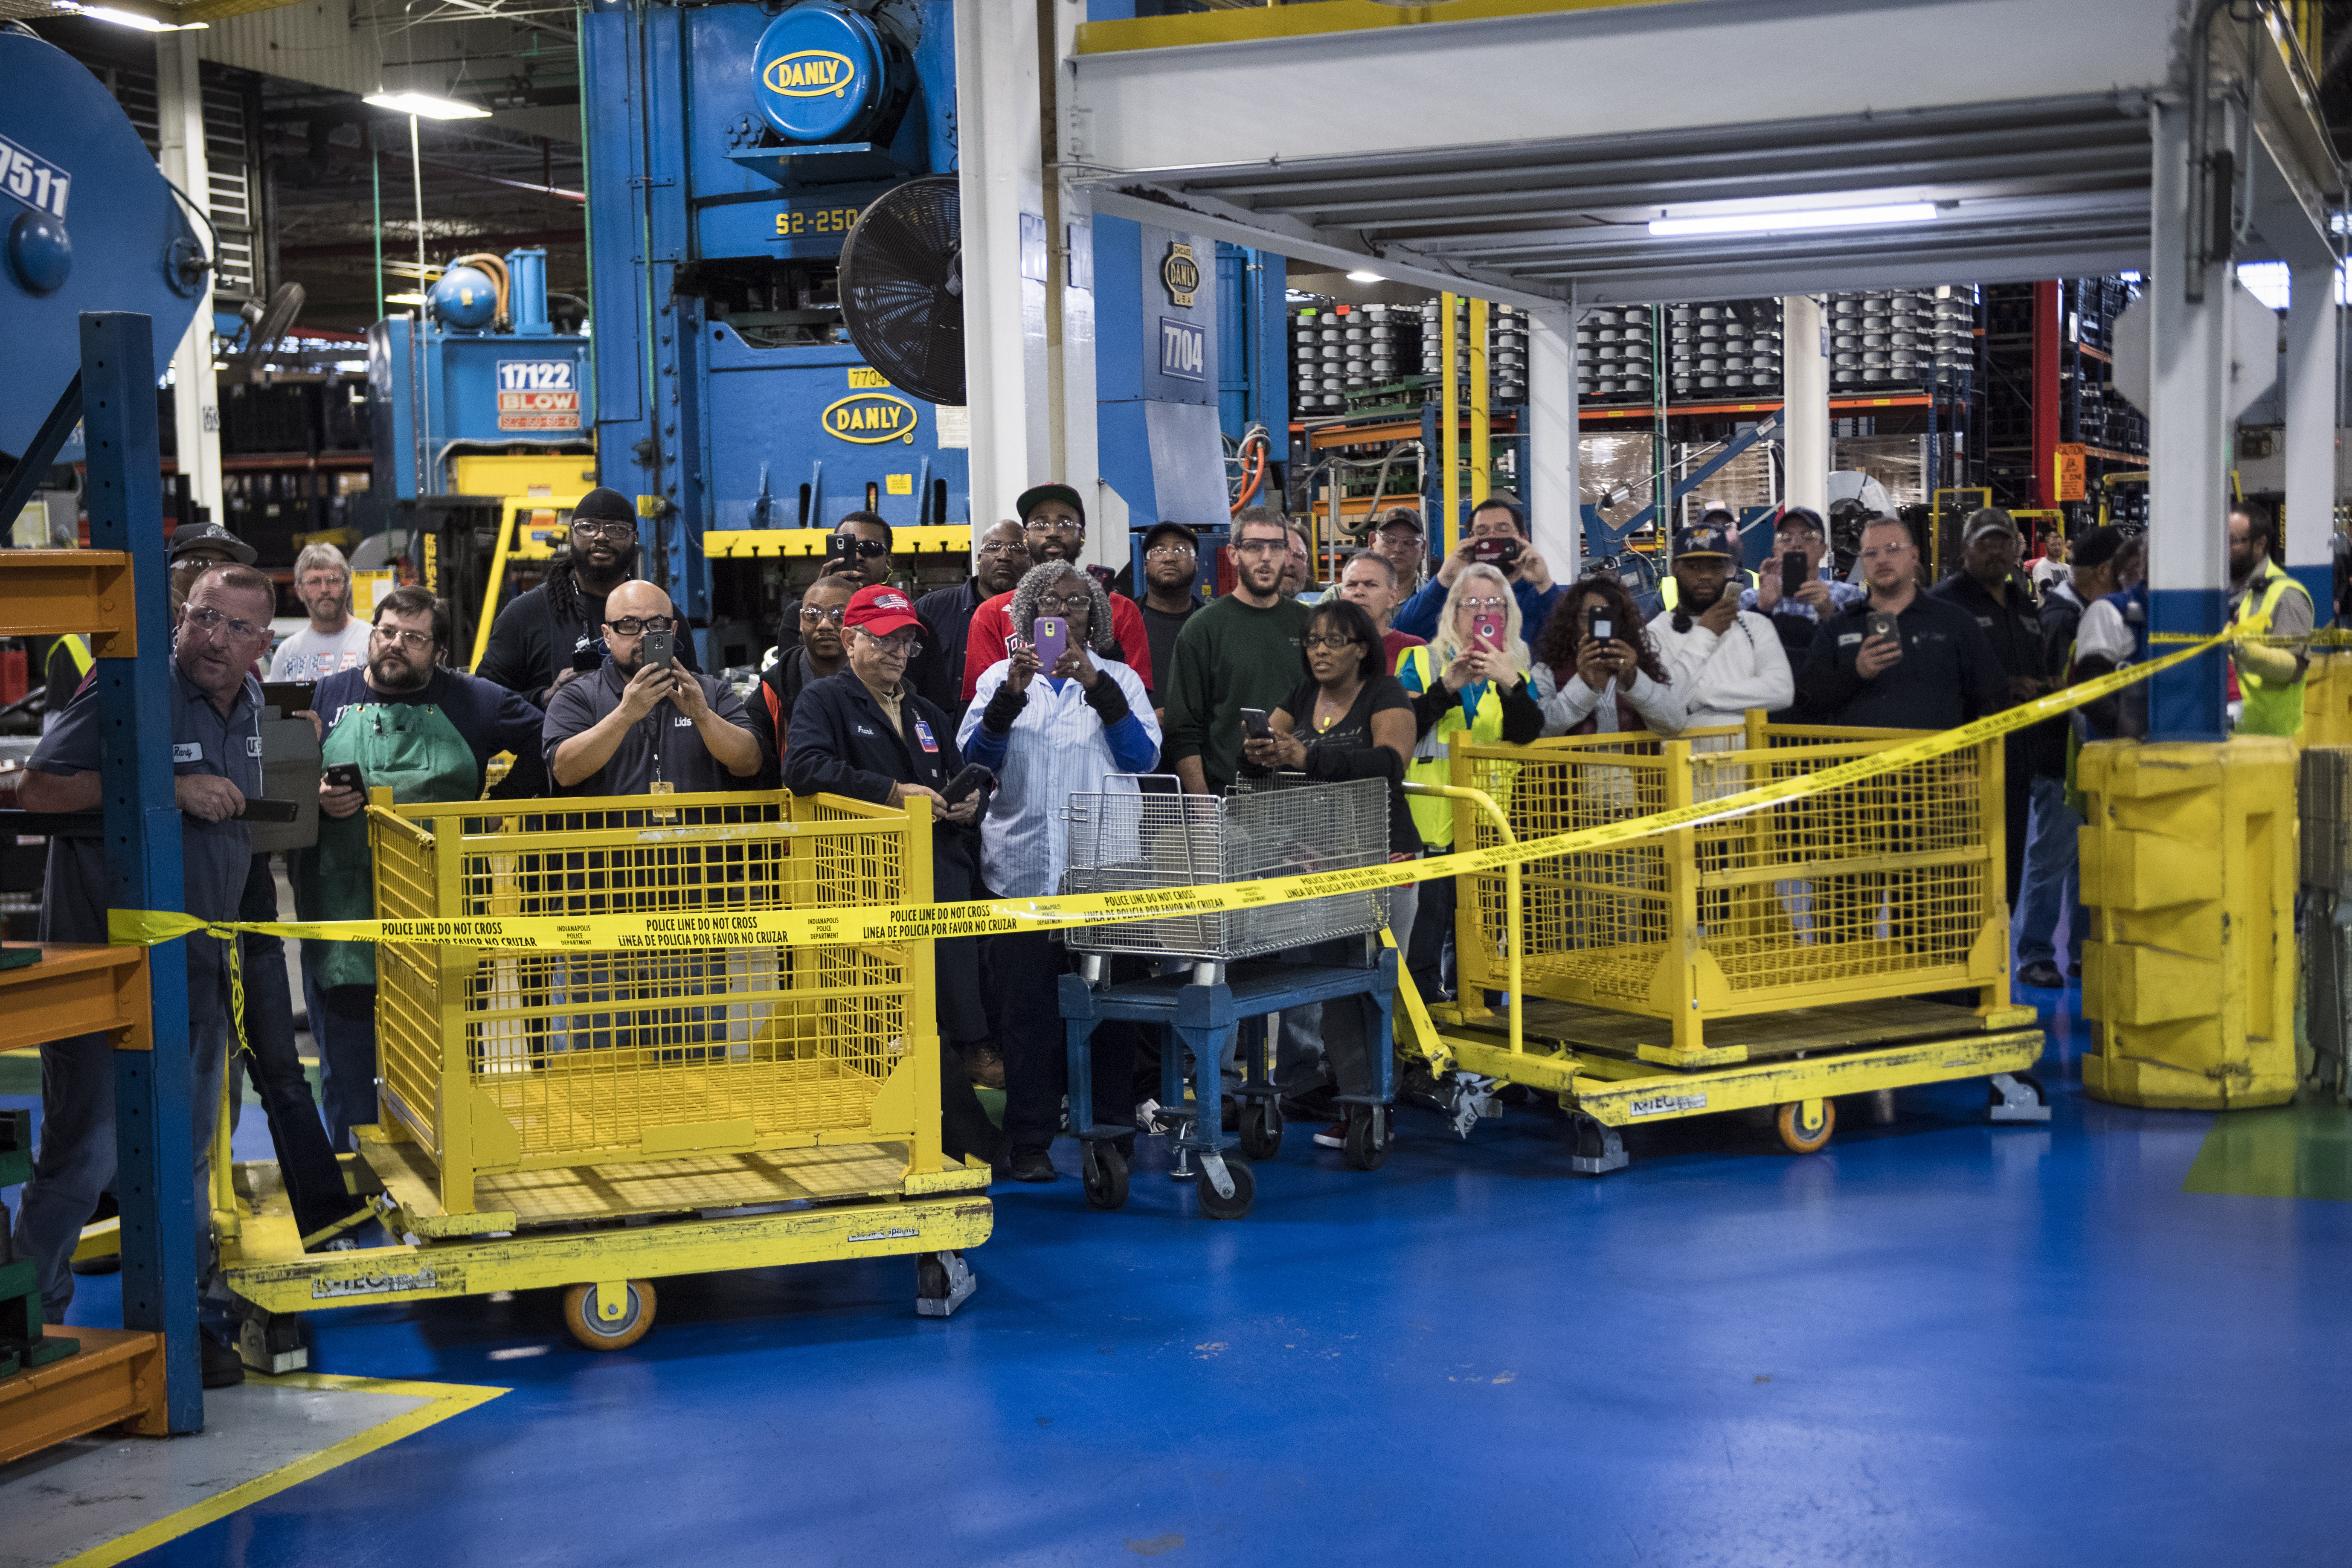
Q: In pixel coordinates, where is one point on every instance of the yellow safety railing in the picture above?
(501, 1062)
(1889, 886)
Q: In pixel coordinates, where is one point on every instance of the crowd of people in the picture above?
(994, 700)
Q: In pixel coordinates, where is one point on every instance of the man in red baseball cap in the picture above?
(865, 732)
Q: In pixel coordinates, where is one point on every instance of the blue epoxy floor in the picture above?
(1938, 1342)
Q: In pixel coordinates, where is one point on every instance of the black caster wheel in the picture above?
(1366, 1144)
(1236, 1206)
(1261, 1129)
(1103, 1169)
(1805, 1125)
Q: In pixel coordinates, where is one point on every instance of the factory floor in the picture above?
(2119, 1338)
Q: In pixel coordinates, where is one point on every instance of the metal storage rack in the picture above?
(144, 1377)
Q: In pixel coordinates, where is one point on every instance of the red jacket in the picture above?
(991, 625)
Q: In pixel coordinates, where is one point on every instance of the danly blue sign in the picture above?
(1183, 351)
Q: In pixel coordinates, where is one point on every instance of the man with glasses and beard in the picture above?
(640, 725)
(552, 635)
(425, 733)
(1054, 522)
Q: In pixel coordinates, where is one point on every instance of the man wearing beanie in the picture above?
(547, 635)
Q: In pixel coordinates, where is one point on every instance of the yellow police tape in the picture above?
(780, 928)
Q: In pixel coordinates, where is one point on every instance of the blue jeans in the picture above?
(2051, 881)
(77, 1157)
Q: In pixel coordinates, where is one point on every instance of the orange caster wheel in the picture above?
(1806, 1124)
(598, 1333)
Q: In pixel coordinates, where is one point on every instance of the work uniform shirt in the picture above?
(215, 856)
(664, 746)
(1947, 674)
(938, 672)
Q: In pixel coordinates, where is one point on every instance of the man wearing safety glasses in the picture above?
(641, 724)
(552, 634)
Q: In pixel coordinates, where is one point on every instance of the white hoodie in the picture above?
(1720, 678)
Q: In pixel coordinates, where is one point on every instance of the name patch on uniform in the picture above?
(863, 731)
(1847, 639)
(253, 745)
(188, 752)
(923, 733)
(681, 723)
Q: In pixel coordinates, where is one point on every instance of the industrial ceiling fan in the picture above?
(902, 288)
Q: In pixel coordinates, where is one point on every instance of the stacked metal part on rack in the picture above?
(1724, 348)
(1507, 350)
(1351, 351)
(1906, 338)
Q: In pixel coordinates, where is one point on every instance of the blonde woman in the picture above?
(1461, 687)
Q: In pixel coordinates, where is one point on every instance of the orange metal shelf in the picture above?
(76, 990)
(48, 593)
(117, 1376)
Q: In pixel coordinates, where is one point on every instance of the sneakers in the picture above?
(2042, 975)
(1032, 1165)
(986, 1066)
(1333, 1137)
(223, 1367)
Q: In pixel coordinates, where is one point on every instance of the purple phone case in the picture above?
(1052, 634)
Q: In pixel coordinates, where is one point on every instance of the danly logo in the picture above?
(811, 73)
(1180, 274)
(870, 418)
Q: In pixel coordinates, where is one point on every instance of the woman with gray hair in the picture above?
(1050, 732)
(335, 639)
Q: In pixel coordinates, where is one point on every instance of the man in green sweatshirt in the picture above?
(1240, 651)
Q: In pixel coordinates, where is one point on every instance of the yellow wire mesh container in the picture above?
(1889, 887)
(499, 1062)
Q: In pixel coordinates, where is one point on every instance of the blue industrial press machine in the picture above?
(730, 149)
(487, 371)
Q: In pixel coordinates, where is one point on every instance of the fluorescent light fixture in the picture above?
(134, 19)
(1366, 278)
(426, 105)
(1784, 222)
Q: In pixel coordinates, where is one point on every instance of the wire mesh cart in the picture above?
(1219, 973)
(1775, 959)
(596, 1119)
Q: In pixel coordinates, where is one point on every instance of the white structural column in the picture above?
(1075, 434)
(2311, 425)
(1555, 490)
(1805, 416)
(196, 401)
(1000, 156)
(2189, 443)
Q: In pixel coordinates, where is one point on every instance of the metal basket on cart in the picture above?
(1126, 840)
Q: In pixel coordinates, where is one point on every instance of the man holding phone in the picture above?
(1498, 537)
(1902, 659)
(1798, 588)
(1724, 660)
(404, 723)
(643, 724)
(1239, 651)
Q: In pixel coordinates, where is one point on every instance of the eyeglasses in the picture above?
(868, 548)
(611, 528)
(1477, 606)
(420, 641)
(211, 620)
(1169, 552)
(906, 648)
(1262, 547)
(1331, 644)
(1064, 606)
(831, 617)
(629, 627)
(324, 582)
(1002, 547)
(1049, 525)
(1887, 552)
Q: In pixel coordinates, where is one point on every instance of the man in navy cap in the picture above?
(1053, 524)
(1724, 659)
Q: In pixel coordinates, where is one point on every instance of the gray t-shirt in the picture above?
(215, 856)
(663, 745)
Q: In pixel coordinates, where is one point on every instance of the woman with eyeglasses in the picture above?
(1048, 732)
(823, 652)
(1464, 685)
(867, 733)
(1349, 719)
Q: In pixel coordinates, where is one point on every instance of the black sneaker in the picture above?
(2074, 970)
(1032, 1165)
(2042, 975)
(224, 1368)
